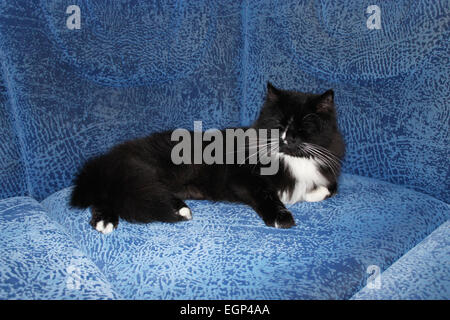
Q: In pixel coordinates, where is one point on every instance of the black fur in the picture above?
(138, 182)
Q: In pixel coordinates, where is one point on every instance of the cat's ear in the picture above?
(272, 92)
(325, 103)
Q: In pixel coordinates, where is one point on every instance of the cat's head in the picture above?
(302, 119)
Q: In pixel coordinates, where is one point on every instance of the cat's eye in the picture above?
(310, 116)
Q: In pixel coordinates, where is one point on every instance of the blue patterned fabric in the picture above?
(38, 260)
(133, 68)
(423, 273)
(12, 174)
(136, 67)
(391, 85)
(226, 251)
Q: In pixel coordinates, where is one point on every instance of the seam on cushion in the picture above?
(401, 256)
(60, 228)
(415, 244)
(15, 121)
(81, 248)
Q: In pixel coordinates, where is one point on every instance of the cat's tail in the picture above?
(89, 184)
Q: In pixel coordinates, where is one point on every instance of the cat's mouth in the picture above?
(293, 149)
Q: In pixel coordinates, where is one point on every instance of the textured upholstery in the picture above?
(135, 67)
(12, 174)
(130, 70)
(38, 260)
(392, 89)
(226, 251)
(422, 273)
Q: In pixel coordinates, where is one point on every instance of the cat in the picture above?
(138, 182)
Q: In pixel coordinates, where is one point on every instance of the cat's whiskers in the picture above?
(326, 162)
(253, 144)
(329, 165)
(323, 151)
(255, 153)
(324, 155)
(262, 149)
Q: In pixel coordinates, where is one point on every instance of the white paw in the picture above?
(185, 212)
(317, 194)
(100, 227)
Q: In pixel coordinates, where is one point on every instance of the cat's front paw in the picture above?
(284, 220)
(318, 194)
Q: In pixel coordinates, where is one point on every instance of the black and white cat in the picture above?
(138, 182)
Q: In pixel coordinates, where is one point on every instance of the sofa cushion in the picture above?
(226, 251)
(131, 69)
(391, 90)
(38, 260)
(422, 273)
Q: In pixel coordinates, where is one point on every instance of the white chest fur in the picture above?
(307, 176)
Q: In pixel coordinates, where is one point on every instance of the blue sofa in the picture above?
(129, 68)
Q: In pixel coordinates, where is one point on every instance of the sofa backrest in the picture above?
(132, 68)
(391, 84)
(12, 173)
(128, 68)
